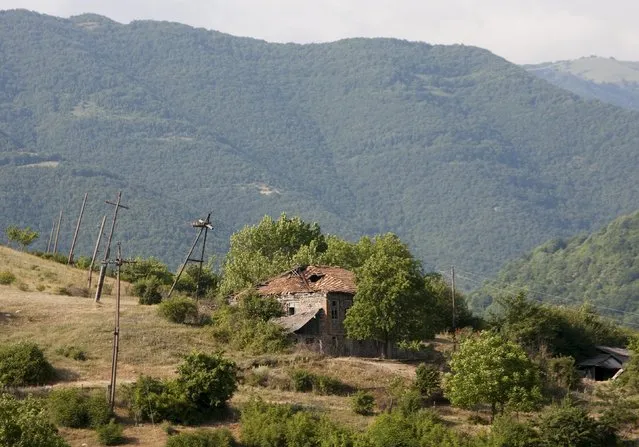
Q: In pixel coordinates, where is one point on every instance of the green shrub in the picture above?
(23, 287)
(570, 425)
(67, 409)
(202, 388)
(415, 430)
(209, 381)
(24, 364)
(363, 403)
(97, 408)
(203, 438)
(302, 380)
(74, 408)
(327, 385)
(507, 432)
(111, 434)
(251, 335)
(179, 310)
(7, 278)
(263, 424)
(155, 400)
(148, 290)
(410, 401)
(26, 423)
(427, 380)
(72, 352)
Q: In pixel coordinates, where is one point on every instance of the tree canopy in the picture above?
(489, 369)
(391, 303)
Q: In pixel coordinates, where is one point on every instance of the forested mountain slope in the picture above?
(601, 269)
(606, 79)
(467, 157)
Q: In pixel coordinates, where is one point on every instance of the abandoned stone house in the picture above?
(315, 300)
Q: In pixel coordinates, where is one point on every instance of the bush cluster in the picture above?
(111, 434)
(7, 278)
(26, 423)
(203, 438)
(179, 310)
(24, 364)
(74, 408)
(363, 403)
(233, 326)
(305, 381)
(72, 352)
(269, 425)
(203, 386)
(147, 290)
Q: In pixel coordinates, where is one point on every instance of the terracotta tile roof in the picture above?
(312, 278)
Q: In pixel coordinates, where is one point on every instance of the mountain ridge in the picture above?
(466, 156)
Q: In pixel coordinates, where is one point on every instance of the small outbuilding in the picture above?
(605, 365)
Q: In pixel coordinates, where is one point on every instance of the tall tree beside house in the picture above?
(266, 249)
(391, 304)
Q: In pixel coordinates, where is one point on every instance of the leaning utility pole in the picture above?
(57, 234)
(51, 236)
(95, 252)
(204, 226)
(452, 292)
(77, 229)
(107, 251)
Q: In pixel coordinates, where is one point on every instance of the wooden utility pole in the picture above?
(107, 251)
(452, 292)
(77, 229)
(57, 234)
(95, 252)
(51, 236)
(116, 332)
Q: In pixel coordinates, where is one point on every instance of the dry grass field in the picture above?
(35, 308)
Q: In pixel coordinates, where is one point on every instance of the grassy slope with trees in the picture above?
(468, 158)
(601, 269)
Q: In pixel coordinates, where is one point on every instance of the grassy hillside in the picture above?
(467, 157)
(151, 345)
(601, 269)
(606, 79)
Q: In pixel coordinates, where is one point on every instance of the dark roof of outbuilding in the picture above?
(311, 278)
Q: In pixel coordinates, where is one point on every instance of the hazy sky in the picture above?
(522, 31)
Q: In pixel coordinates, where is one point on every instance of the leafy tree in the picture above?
(390, 304)
(26, 423)
(266, 249)
(22, 236)
(489, 369)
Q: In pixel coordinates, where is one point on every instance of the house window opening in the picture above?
(334, 313)
(291, 310)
